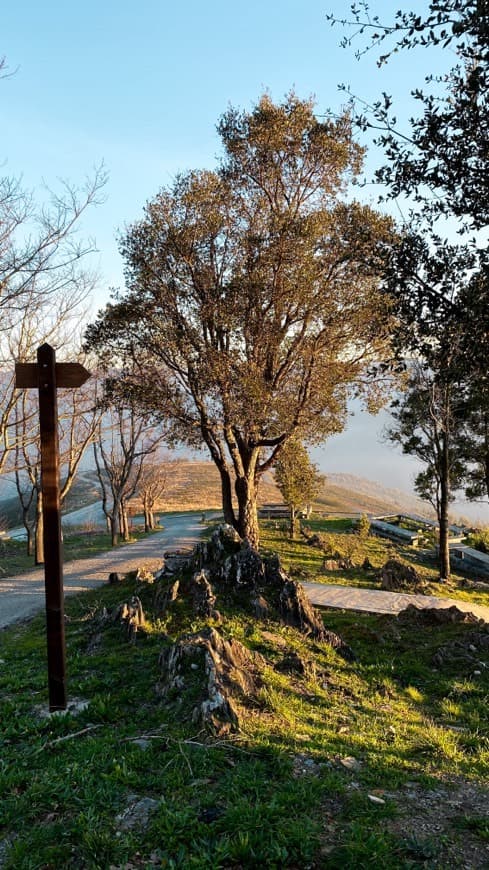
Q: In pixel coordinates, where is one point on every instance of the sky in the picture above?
(141, 86)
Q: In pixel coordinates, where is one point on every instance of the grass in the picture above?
(306, 561)
(244, 802)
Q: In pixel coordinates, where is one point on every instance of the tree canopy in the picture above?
(252, 307)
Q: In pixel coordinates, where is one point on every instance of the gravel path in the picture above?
(23, 595)
(378, 601)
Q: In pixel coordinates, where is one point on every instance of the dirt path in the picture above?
(378, 601)
(23, 595)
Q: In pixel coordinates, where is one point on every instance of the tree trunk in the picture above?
(114, 525)
(443, 516)
(246, 491)
(227, 498)
(124, 523)
(39, 532)
(292, 521)
(30, 542)
(147, 520)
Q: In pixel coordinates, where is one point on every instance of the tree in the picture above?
(126, 438)
(252, 308)
(442, 161)
(153, 482)
(40, 253)
(297, 478)
(428, 424)
(78, 419)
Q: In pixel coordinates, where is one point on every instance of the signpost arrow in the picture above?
(67, 374)
(47, 376)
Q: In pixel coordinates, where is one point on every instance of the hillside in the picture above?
(195, 485)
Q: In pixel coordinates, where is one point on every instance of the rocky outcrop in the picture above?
(396, 576)
(212, 676)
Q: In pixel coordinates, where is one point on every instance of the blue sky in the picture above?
(141, 86)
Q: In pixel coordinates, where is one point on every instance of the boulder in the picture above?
(396, 576)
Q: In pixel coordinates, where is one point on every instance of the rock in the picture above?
(350, 763)
(375, 800)
(137, 813)
(144, 575)
(114, 578)
(331, 564)
(244, 568)
(202, 594)
(296, 610)
(304, 765)
(435, 615)
(223, 542)
(293, 664)
(131, 614)
(396, 576)
(260, 606)
(165, 594)
(464, 651)
(227, 673)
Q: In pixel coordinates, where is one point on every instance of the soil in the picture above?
(432, 826)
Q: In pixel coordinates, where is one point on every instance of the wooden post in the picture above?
(53, 557)
(47, 375)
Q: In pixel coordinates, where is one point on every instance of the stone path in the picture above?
(378, 601)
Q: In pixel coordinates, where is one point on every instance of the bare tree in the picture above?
(153, 483)
(40, 252)
(125, 441)
(78, 419)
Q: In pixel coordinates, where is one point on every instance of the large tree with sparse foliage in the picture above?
(252, 308)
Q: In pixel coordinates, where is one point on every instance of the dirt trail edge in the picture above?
(23, 595)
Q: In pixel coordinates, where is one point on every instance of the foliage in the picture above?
(479, 540)
(441, 289)
(363, 527)
(252, 308)
(297, 478)
(445, 152)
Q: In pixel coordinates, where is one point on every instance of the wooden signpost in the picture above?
(47, 375)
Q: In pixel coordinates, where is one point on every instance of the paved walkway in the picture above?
(378, 601)
(23, 595)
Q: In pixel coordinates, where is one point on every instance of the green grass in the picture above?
(306, 561)
(236, 802)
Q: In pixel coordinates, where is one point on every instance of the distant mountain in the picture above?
(195, 485)
(347, 492)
